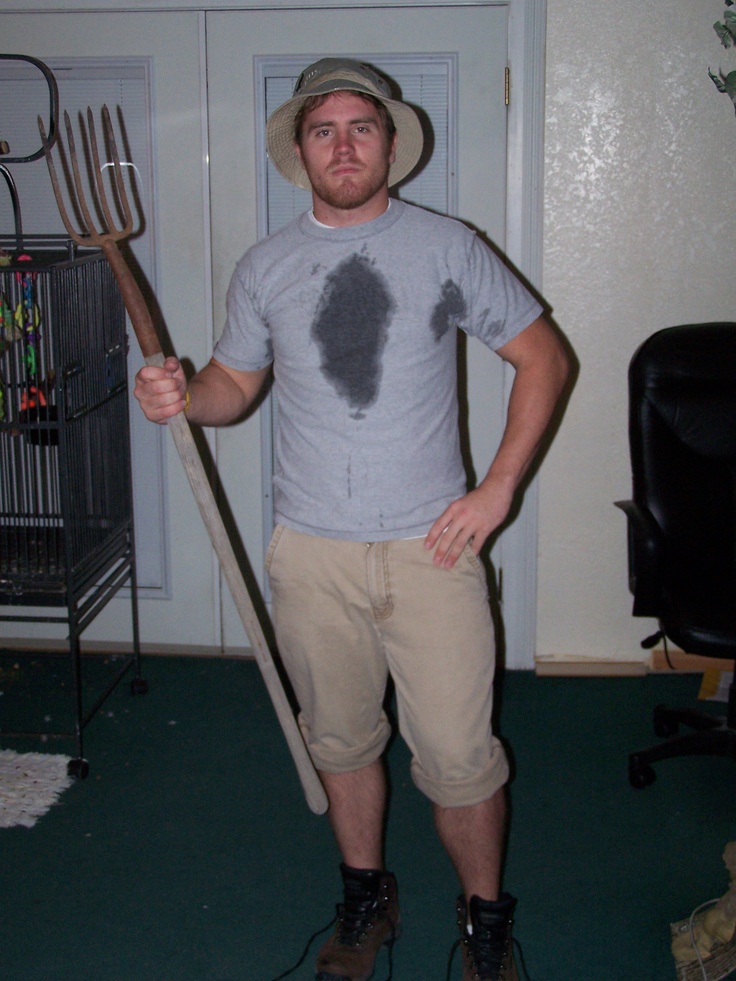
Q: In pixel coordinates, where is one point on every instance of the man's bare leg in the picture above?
(370, 916)
(357, 812)
(474, 838)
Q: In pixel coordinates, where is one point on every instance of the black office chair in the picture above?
(682, 519)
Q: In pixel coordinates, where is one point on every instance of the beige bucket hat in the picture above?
(338, 75)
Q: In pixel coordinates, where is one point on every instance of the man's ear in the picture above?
(298, 151)
(392, 153)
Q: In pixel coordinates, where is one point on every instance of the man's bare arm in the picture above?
(215, 396)
(542, 367)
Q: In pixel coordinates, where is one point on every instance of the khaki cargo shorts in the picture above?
(346, 614)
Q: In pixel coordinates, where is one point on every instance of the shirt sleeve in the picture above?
(245, 343)
(500, 305)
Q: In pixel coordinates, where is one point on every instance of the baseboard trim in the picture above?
(39, 645)
(556, 666)
(675, 662)
(683, 663)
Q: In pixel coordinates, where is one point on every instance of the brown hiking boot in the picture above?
(486, 945)
(367, 919)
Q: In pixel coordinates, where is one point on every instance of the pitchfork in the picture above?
(150, 346)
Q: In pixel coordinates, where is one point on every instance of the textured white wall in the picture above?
(640, 184)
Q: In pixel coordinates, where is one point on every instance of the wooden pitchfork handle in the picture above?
(145, 332)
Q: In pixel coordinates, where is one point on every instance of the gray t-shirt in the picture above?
(361, 326)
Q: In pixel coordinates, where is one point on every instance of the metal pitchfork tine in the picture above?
(91, 234)
(145, 332)
(135, 304)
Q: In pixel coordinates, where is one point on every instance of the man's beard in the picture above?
(352, 191)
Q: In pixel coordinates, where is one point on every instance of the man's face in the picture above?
(346, 153)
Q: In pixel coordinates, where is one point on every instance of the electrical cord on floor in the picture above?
(319, 933)
(450, 959)
(649, 642)
(691, 924)
(667, 653)
(519, 956)
(301, 960)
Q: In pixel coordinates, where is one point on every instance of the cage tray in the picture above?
(32, 564)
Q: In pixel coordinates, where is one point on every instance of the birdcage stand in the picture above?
(66, 502)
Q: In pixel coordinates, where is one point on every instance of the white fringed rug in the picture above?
(29, 784)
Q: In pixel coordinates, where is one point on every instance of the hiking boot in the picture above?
(367, 919)
(486, 945)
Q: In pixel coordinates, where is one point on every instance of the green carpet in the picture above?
(188, 854)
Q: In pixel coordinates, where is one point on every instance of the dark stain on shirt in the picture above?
(450, 310)
(351, 329)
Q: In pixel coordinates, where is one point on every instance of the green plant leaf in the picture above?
(717, 81)
(723, 33)
(730, 85)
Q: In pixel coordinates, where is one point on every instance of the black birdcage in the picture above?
(66, 509)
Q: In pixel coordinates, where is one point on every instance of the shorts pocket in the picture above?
(477, 566)
(272, 546)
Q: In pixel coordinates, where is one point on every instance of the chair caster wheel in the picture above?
(78, 768)
(664, 725)
(139, 686)
(641, 775)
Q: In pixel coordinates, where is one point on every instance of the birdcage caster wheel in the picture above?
(139, 686)
(78, 768)
(664, 725)
(641, 775)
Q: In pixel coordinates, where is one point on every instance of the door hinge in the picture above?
(507, 86)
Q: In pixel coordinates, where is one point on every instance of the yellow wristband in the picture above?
(187, 400)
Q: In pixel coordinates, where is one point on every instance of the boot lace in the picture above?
(355, 919)
(487, 949)
(518, 952)
(487, 946)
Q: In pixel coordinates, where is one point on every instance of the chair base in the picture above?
(711, 736)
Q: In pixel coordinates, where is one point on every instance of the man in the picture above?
(374, 562)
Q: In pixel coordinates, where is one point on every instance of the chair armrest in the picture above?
(646, 549)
